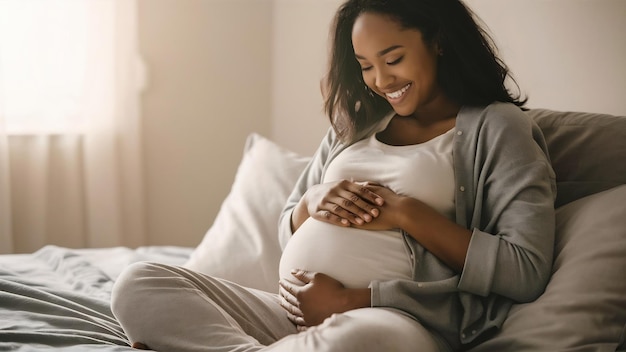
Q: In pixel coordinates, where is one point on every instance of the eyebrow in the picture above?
(382, 52)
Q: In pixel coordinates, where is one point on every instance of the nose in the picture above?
(384, 78)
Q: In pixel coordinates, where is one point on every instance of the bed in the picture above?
(58, 298)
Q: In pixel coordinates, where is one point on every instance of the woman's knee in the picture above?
(132, 287)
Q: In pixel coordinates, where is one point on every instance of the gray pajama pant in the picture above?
(170, 308)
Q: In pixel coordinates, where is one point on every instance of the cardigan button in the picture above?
(462, 189)
(459, 133)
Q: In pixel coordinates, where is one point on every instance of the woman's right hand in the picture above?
(342, 203)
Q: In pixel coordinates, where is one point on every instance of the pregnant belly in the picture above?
(353, 256)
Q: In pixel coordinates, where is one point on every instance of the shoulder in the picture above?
(495, 117)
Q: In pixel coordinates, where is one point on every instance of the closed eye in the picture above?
(366, 68)
(396, 61)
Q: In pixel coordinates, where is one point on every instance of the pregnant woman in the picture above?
(354, 255)
(425, 213)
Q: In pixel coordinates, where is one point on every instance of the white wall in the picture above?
(209, 74)
(566, 54)
(300, 51)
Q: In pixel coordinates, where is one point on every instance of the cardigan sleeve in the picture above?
(311, 175)
(512, 196)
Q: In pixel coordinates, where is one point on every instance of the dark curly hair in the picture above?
(469, 71)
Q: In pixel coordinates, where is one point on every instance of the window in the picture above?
(44, 55)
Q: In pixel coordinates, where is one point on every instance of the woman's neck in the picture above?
(436, 111)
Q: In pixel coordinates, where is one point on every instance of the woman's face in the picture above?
(396, 63)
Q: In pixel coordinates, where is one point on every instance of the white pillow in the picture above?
(584, 305)
(242, 244)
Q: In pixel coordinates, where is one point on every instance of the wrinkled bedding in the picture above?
(58, 298)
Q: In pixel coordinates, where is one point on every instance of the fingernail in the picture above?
(379, 201)
(375, 212)
(359, 221)
(367, 218)
(345, 221)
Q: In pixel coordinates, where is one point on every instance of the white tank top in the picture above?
(355, 256)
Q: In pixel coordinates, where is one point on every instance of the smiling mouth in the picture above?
(399, 93)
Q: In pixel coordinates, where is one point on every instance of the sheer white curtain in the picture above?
(70, 137)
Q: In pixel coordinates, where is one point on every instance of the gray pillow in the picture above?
(588, 151)
(584, 305)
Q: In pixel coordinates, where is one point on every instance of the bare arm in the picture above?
(442, 237)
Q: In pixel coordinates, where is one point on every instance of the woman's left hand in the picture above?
(390, 212)
(319, 298)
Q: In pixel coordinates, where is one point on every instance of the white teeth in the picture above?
(397, 94)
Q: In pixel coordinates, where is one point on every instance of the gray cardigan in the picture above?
(505, 191)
